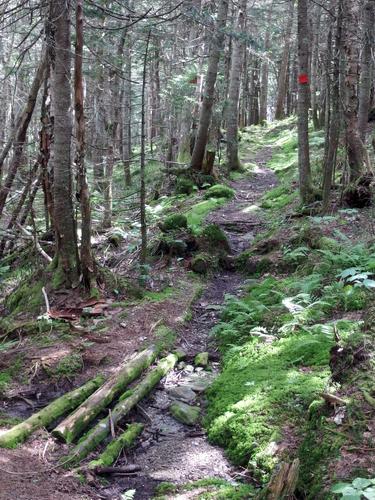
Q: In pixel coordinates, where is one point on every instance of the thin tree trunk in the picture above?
(303, 105)
(143, 254)
(334, 129)
(18, 138)
(233, 161)
(263, 100)
(281, 84)
(87, 261)
(209, 91)
(127, 137)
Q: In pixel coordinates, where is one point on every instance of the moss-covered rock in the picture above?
(201, 263)
(214, 240)
(201, 359)
(184, 185)
(26, 298)
(184, 413)
(173, 222)
(220, 191)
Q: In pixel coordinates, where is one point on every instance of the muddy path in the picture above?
(171, 451)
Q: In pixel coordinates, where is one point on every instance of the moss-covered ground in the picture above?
(279, 338)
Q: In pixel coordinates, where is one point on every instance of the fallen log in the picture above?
(75, 423)
(111, 453)
(130, 399)
(127, 469)
(20, 432)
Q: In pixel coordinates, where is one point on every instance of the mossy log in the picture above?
(75, 423)
(45, 417)
(98, 433)
(110, 454)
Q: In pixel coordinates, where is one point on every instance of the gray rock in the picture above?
(199, 383)
(184, 413)
(182, 393)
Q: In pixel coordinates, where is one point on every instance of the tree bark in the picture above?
(209, 91)
(102, 429)
(233, 161)
(355, 147)
(74, 424)
(303, 105)
(263, 100)
(66, 259)
(87, 261)
(281, 83)
(334, 126)
(18, 138)
(20, 432)
(366, 67)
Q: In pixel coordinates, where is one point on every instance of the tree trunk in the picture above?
(263, 100)
(281, 83)
(303, 105)
(87, 261)
(233, 161)
(355, 147)
(366, 67)
(18, 137)
(127, 116)
(66, 259)
(209, 91)
(334, 128)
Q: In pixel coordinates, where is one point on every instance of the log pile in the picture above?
(83, 405)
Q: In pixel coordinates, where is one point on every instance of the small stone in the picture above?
(181, 365)
(182, 393)
(189, 368)
(184, 413)
(201, 359)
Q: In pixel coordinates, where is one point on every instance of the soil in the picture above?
(168, 450)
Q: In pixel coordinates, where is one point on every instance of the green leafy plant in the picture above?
(358, 489)
(357, 276)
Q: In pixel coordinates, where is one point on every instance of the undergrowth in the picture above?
(276, 341)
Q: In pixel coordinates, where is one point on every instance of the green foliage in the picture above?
(359, 488)
(184, 185)
(219, 191)
(68, 366)
(174, 221)
(198, 212)
(214, 488)
(279, 197)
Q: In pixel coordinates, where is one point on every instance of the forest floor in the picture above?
(282, 324)
(170, 451)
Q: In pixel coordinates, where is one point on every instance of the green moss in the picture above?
(184, 185)
(214, 488)
(174, 221)
(67, 366)
(202, 263)
(197, 213)
(215, 235)
(7, 421)
(26, 298)
(220, 191)
(165, 338)
(164, 294)
(260, 385)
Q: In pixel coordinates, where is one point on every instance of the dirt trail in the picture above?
(171, 451)
(168, 450)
